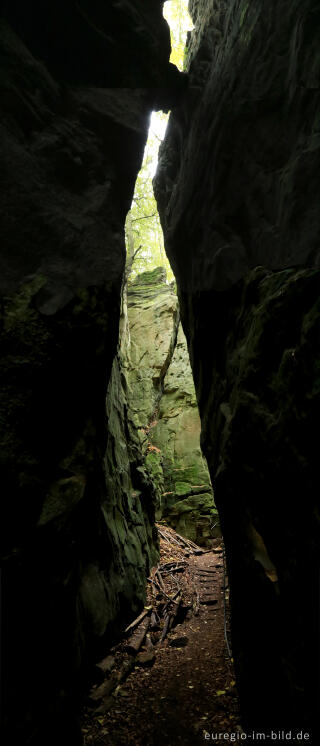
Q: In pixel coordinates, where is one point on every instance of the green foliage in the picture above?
(176, 13)
(144, 236)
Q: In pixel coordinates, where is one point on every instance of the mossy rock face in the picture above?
(201, 503)
(177, 435)
(152, 318)
(182, 488)
(153, 462)
(161, 398)
(195, 517)
(157, 276)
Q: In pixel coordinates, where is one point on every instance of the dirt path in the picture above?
(189, 690)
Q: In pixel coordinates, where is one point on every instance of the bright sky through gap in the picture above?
(179, 20)
(157, 129)
(177, 15)
(144, 238)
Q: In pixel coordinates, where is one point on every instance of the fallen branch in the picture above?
(101, 693)
(154, 620)
(159, 576)
(137, 621)
(154, 582)
(170, 570)
(170, 617)
(180, 541)
(135, 643)
(166, 627)
(170, 539)
(173, 599)
(174, 613)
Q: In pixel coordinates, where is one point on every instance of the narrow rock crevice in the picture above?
(99, 438)
(162, 408)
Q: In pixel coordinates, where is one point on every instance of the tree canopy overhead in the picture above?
(177, 15)
(144, 236)
(144, 239)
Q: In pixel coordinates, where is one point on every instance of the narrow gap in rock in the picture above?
(162, 399)
(112, 587)
(177, 15)
(175, 657)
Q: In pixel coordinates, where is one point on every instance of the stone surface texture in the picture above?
(238, 193)
(163, 423)
(73, 130)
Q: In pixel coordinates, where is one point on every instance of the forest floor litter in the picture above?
(170, 680)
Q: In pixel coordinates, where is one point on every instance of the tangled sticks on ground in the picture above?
(171, 670)
(173, 595)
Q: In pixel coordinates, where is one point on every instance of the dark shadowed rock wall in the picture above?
(71, 147)
(238, 191)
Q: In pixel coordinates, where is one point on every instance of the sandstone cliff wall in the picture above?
(160, 430)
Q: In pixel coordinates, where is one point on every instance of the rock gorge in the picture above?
(153, 413)
(238, 194)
